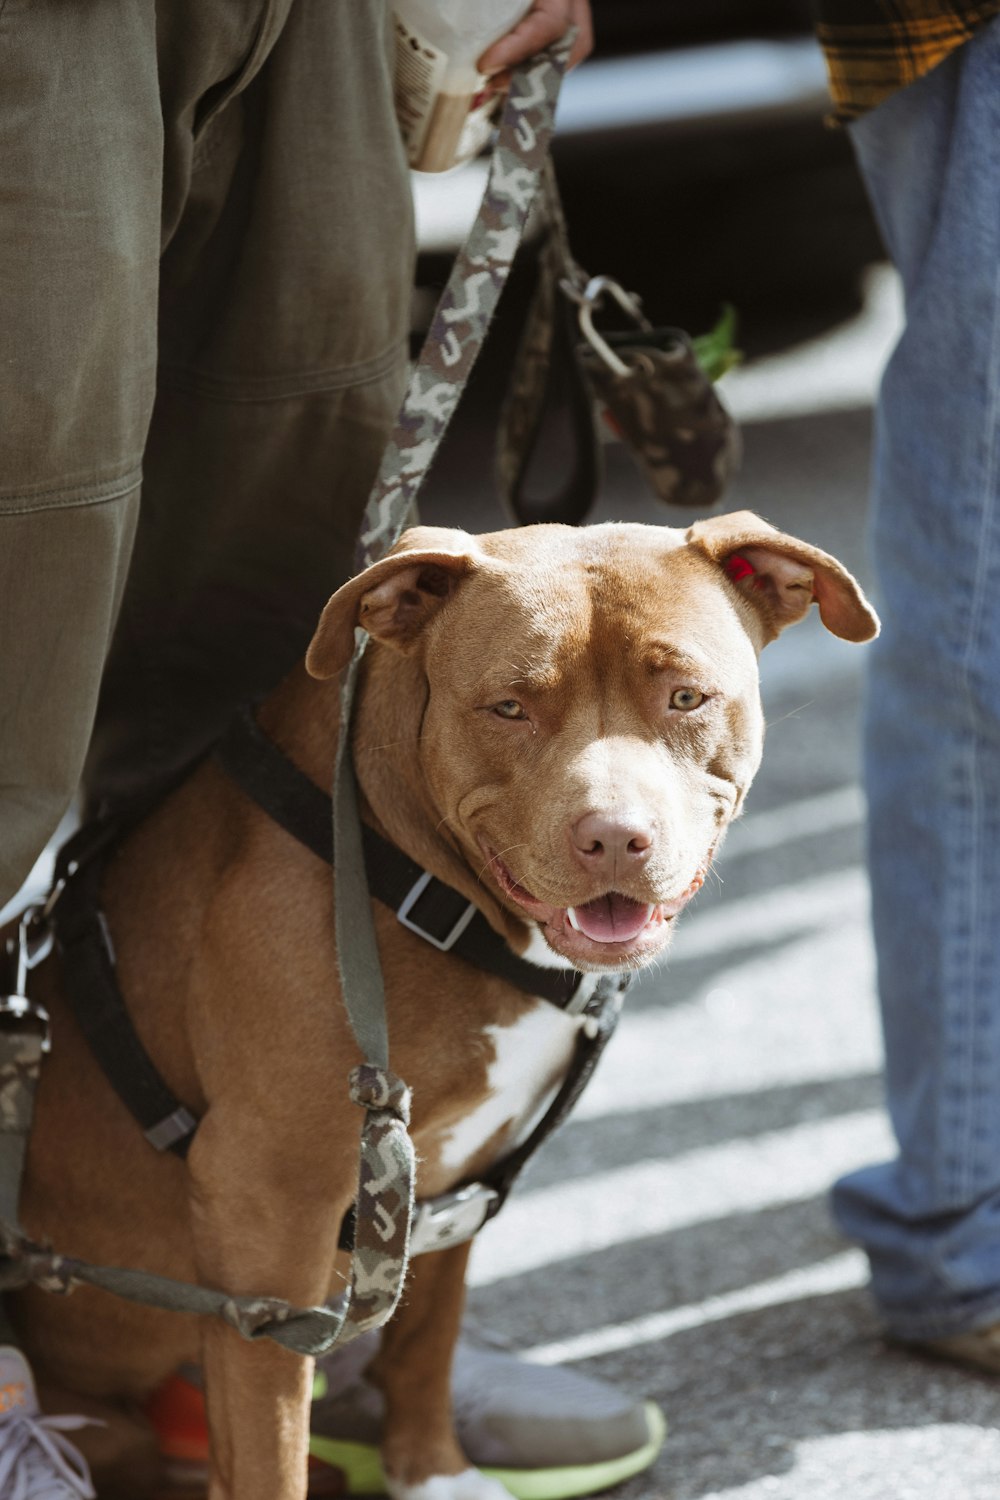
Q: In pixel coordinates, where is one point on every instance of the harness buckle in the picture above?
(410, 900)
(451, 1218)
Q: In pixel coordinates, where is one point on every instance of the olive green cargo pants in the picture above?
(205, 263)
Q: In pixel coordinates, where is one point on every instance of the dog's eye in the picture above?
(510, 709)
(686, 698)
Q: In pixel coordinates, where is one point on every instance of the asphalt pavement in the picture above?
(674, 1236)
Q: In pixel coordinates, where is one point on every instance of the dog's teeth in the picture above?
(572, 919)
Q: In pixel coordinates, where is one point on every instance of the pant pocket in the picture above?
(274, 14)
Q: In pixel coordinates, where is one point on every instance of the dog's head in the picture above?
(592, 718)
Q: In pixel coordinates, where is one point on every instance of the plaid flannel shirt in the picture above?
(874, 47)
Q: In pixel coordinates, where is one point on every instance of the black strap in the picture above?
(589, 1046)
(304, 810)
(83, 939)
(549, 408)
(549, 461)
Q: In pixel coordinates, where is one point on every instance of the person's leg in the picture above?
(284, 320)
(930, 1221)
(81, 146)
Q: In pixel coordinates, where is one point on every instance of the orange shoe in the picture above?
(177, 1412)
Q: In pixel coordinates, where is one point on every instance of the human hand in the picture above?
(545, 22)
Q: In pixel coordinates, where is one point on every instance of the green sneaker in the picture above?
(546, 1433)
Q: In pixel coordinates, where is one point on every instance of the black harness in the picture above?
(436, 912)
(425, 905)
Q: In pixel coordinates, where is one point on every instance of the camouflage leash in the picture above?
(450, 349)
(385, 1200)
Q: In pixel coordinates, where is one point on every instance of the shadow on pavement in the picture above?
(656, 1274)
(584, 1146)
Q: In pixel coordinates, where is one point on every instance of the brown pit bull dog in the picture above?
(560, 724)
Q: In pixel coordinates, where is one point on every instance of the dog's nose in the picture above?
(606, 842)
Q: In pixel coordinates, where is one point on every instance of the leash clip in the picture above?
(589, 300)
(32, 944)
(35, 937)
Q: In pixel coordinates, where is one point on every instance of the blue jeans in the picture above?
(930, 1221)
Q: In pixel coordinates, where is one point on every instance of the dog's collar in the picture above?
(427, 906)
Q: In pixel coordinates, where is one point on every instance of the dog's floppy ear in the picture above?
(394, 598)
(781, 576)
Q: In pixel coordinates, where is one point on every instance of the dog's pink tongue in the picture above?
(611, 918)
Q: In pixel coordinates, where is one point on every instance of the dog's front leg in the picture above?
(420, 1453)
(261, 1227)
(257, 1397)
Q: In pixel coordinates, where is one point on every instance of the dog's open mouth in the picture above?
(613, 918)
(611, 930)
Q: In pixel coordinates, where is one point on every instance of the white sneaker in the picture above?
(36, 1461)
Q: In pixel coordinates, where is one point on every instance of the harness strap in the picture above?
(597, 1032)
(306, 1330)
(83, 939)
(433, 910)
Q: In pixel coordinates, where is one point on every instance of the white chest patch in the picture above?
(538, 952)
(530, 1061)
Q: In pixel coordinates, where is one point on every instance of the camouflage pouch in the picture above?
(652, 386)
(658, 398)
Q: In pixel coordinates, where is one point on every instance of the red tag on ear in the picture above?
(738, 568)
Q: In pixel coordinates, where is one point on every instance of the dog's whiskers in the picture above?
(792, 713)
(494, 857)
(389, 745)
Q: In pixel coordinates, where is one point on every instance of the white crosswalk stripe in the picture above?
(658, 1197)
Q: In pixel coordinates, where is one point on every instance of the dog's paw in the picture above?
(469, 1485)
